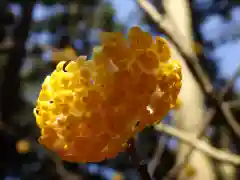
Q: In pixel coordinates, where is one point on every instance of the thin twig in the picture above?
(141, 167)
(162, 142)
(199, 144)
(230, 83)
(234, 104)
(231, 120)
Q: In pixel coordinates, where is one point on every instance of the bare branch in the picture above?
(230, 83)
(178, 167)
(230, 118)
(234, 104)
(199, 144)
(152, 165)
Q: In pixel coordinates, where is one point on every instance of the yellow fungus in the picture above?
(87, 110)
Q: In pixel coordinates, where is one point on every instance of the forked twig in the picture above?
(200, 144)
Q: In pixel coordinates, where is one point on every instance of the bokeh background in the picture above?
(31, 31)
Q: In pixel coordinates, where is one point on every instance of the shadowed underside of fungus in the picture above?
(87, 110)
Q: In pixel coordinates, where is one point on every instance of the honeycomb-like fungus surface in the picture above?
(87, 110)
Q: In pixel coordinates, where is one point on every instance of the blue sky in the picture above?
(124, 8)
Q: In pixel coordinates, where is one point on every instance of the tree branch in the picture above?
(234, 104)
(10, 100)
(230, 83)
(199, 144)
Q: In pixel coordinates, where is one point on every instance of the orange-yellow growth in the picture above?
(117, 176)
(87, 110)
(23, 146)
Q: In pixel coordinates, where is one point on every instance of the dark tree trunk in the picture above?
(10, 100)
